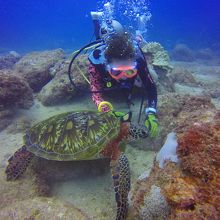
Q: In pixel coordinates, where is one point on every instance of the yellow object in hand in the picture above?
(104, 103)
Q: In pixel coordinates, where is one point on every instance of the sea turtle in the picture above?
(81, 135)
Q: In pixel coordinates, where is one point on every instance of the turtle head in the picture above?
(136, 131)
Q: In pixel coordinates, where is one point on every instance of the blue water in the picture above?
(48, 24)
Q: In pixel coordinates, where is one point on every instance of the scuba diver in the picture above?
(120, 63)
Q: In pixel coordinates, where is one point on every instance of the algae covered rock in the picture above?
(173, 108)
(157, 56)
(14, 91)
(59, 89)
(35, 67)
(159, 66)
(189, 187)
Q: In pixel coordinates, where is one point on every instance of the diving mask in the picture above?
(124, 71)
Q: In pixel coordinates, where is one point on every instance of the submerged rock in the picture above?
(204, 54)
(159, 66)
(157, 56)
(14, 91)
(59, 89)
(35, 67)
(183, 76)
(8, 60)
(182, 52)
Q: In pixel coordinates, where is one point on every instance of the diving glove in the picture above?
(151, 124)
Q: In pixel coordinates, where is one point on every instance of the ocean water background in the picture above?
(38, 25)
(47, 24)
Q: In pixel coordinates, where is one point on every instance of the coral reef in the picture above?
(201, 141)
(14, 91)
(196, 194)
(8, 60)
(191, 187)
(157, 205)
(59, 90)
(168, 151)
(182, 52)
(142, 204)
(35, 67)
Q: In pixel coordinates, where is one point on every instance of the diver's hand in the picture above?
(152, 124)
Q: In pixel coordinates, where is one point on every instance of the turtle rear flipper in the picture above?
(18, 163)
(121, 178)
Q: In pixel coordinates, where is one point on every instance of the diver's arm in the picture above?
(150, 89)
(95, 80)
(151, 94)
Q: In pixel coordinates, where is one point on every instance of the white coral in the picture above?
(155, 205)
(168, 151)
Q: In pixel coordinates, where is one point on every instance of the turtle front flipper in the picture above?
(121, 178)
(18, 163)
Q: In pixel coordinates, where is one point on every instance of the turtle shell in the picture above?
(72, 135)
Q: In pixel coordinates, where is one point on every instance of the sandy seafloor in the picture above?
(90, 190)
